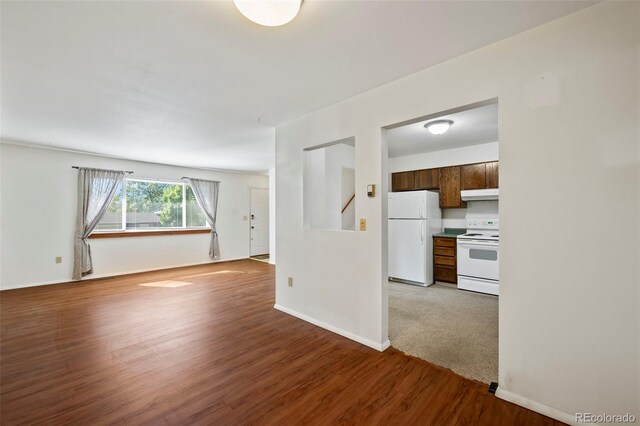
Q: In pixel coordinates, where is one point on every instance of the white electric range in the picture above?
(479, 257)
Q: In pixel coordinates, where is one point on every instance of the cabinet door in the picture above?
(403, 181)
(492, 175)
(473, 176)
(450, 188)
(427, 179)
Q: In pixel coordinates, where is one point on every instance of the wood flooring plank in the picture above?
(131, 350)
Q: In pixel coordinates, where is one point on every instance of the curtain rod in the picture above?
(186, 177)
(78, 167)
(205, 180)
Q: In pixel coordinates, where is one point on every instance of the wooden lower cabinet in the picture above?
(445, 274)
(445, 266)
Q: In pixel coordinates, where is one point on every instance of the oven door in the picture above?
(478, 259)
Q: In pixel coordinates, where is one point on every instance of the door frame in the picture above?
(249, 217)
(386, 188)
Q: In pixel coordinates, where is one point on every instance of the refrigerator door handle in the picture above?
(422, 232)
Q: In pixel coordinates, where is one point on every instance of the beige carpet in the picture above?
(449, 327)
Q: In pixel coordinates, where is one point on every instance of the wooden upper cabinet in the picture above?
(428, 179)
(449, 180)
(479, 176)
(450, 188)
(492, 175)
(403, 181)
(473, 176)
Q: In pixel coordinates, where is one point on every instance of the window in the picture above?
(112, 218)
(150, 205)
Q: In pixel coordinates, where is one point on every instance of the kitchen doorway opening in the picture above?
(442, 204)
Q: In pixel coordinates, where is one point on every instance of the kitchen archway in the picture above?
(442, 175)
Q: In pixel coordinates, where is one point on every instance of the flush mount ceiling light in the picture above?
(270, 13)
(438, 127)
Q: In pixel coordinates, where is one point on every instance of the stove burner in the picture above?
(479, 236)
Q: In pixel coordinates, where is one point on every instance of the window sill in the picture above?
(123, 234)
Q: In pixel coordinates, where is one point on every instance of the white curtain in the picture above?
(206, 192)
(96, 189)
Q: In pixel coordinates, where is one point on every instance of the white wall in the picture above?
(315, 215)
(447, 157)
(569, 303)
(454, 218)
(272, 216)
(39, 211)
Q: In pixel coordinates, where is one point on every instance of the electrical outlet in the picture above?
(290, 281)
(58, 259)
(363, 224)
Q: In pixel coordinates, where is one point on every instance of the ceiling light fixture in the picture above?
(438, 127)
(270, 13)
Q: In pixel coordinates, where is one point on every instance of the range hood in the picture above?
(479, 194)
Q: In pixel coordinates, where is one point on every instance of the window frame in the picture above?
(124, 232)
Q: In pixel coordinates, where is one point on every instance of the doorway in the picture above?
(259, 224)
(442, 171)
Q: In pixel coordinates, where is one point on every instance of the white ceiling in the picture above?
(471, 127)
(184, 82)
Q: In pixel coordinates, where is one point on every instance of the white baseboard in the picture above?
(536, 406)
(118, 274)
(349, 335)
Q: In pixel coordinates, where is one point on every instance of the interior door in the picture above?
(259, 221)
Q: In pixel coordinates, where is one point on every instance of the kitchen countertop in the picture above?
(451, 232)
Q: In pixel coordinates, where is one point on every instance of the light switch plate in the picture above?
(58, 259)
(363, 224)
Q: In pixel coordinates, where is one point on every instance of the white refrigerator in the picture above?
(413, 218)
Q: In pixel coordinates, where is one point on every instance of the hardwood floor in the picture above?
(204, 345)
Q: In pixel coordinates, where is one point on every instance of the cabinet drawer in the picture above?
(444, 242)
(446, 274)
(444, 251)
(445, 261)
